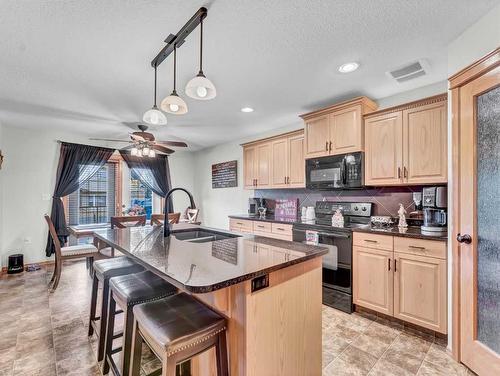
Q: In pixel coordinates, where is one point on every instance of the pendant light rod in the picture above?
(178, 39)
(155, 89)
(201, 46)
(175, 68)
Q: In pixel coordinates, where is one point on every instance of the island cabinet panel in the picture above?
(275, 331)
(317, 137)
(277, 162)
(384, 157)
(337, 129)
(373, 279)
(425, 144)
(420, 291)
(407, 144)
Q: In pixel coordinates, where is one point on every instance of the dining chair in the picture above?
(123, 222)
(66, 253)
(190, 215)
(157, 219)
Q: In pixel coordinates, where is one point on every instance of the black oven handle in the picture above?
(344, 172)
(327, 234)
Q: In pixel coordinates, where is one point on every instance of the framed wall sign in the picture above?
(225, 174)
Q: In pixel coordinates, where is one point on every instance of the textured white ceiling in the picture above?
(84, 66)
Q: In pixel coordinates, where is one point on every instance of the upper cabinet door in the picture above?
(425, 144)
(317, 137)
(383, 149)
(249, 165)
(296, 162)
(279, 165)
(346, 130)
(263, 153)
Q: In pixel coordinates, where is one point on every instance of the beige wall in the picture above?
(28, 178)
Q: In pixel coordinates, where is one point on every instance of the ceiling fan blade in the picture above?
(173, 143)
(108, 139)
(163, 149)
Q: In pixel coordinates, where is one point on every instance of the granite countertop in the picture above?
(410, 232)
(205, 267)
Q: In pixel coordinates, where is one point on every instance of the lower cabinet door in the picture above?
(373, 279)
(420, 291)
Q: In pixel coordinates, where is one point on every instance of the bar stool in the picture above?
(176, 329)
(126, 291)
(103, 271)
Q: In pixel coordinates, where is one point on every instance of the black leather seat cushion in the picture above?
(177, 319)
(106, 269)
(140, 287)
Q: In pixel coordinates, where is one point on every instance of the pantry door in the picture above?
(478, 229)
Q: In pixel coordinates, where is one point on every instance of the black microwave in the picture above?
(343, 171)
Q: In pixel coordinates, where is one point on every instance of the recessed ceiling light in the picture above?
(348, 67)
(247, 109)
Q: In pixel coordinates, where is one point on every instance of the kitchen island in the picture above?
(270, 291)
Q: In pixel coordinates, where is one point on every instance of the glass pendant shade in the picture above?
(173, 104)
(133, 151)
(139, 153)
(152, 153)
(200, 88)
(154, 117)
(145, 150)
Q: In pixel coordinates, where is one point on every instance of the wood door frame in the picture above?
(456, 82)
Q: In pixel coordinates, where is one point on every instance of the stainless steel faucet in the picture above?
(166, 224)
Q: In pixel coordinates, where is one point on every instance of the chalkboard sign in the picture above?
(224, 175)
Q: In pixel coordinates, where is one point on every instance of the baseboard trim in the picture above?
(41, 263)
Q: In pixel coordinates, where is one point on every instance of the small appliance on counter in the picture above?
(253, 205)
(343, 171)
(16, 264)
(434, 202)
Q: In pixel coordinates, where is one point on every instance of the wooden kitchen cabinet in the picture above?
(277, 162)
(337, 129)
(373, 279)
(420, 291)
(401, 277)
(407, 144)
(383, 151)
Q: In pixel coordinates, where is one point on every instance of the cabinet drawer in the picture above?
(420, 247)
(262, 226)
(281, 229)
(367, 240)
(240, 225)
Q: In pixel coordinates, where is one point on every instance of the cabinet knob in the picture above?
(466, 238)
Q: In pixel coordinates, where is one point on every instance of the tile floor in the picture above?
(46, 334)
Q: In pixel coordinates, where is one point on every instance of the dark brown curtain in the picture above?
(77, 164)
(154, 173)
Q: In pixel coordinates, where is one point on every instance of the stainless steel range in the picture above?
(337, 264)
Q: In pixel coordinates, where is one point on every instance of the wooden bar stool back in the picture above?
(66, 253)
(176, 329)
(157, 219)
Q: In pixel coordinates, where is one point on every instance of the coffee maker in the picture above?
(434, 202)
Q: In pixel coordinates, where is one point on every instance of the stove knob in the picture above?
(363, 208)
(356, 208)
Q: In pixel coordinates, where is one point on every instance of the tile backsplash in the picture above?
(385, 200)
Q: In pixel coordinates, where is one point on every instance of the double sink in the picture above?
(201, 236)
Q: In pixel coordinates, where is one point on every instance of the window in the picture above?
(140, 195)
(94, 202)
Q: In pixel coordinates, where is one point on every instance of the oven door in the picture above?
(337, 265)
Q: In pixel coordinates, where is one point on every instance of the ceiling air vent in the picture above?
(409, 72)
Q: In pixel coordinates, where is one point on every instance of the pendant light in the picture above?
(173, 104)
(154, 116)
(200, 87)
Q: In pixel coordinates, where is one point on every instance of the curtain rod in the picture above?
(75, 143)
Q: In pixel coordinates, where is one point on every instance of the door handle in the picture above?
(285, 179)
(466, 238)
(399, 172)
(330, 146)
(395, 267)
(389, 264)
(405, 172)
(326, 146)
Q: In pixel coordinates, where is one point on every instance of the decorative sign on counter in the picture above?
(286, 208)
(224, 175)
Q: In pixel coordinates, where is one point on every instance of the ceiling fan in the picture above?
(144, 144)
